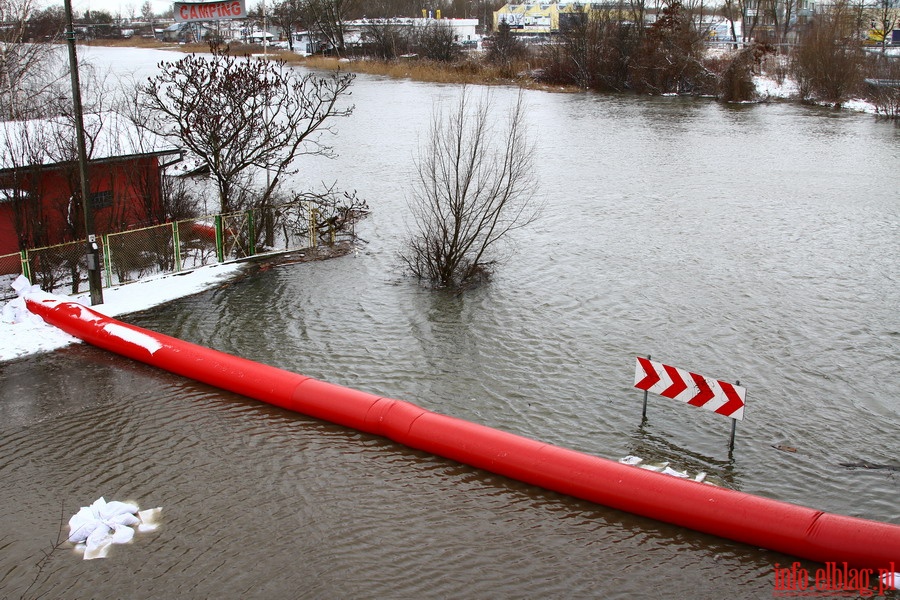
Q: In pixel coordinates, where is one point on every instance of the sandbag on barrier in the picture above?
(788, 528)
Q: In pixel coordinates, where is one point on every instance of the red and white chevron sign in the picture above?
(718, 396)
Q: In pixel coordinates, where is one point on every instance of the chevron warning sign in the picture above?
(718, 396)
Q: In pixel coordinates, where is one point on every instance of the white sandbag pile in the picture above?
(664, 468)
(96, 527)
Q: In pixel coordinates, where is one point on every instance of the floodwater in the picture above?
(757, 243)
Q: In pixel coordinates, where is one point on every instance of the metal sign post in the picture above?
(644, 413)
(718, 396)
(733, 424)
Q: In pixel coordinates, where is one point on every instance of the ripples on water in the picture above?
(736, 242)
(261, 503)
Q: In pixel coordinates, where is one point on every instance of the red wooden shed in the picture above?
(40, 202)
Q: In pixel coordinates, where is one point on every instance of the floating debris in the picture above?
(674, 473)
(867, 465)
(664, 468)
(784, 448)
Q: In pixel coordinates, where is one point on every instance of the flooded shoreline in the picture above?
(733, 242)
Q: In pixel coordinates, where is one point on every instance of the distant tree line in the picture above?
(47, 24)
(327, 16)
(383, 37)
(599, 49)
(609, 49)
(828, 61)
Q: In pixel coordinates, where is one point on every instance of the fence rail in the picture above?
(129, 256)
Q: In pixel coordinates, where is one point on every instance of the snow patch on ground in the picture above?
(23, 333)
(768, 88)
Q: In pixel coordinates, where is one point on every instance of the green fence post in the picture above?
(176, 242)
(251, 233)
(26, 269)
(220, 249)
(107, 259)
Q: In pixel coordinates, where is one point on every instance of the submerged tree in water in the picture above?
(475, 185)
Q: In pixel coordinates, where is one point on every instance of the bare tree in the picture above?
(99, 24)
(597, 50)
(885, 17)
(328, 17)
(638, 13)
(147, 15)
(854, 15)
(475, 185)
(384, 39)
(29, 73)
(789, 10)
(731, 10)
(881, 86)
(244, 116)
(750, 13)
(578, 58)
(736, 84)
(46, 25)
(506, 49)
(288, 14)
(24, 146)
(827, 63)
(671, 56)
(435, 41)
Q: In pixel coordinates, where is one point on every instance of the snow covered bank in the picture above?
(23, 333)
(768, 88)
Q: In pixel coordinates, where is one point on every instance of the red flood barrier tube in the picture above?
(738, 516)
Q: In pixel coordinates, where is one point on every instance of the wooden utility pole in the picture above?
(93, 249)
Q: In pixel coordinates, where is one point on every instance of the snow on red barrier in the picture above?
(762, 522)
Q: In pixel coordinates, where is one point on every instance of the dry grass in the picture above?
(463, 72)
(418, 70)
(236, 48)
(132, 42)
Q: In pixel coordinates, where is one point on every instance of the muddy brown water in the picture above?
(757, 243)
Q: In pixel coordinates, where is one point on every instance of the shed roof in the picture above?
(47, 142)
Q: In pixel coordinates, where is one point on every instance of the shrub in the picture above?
(736, 84)
(827, 67)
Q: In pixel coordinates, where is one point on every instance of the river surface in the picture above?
(758, 243)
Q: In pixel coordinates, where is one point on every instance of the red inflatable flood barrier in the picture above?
(762, 522)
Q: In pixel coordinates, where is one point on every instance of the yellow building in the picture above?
(542, 18)
(529, 17)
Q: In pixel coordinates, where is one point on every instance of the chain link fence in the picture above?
(10, 268)
(136, 254)
(132, 255)
(61, 268)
